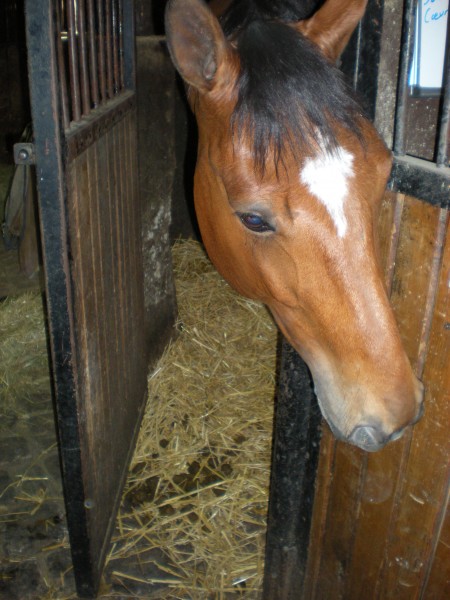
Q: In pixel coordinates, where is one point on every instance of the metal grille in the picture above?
(441, 152)
(90, 52)
(379, 60)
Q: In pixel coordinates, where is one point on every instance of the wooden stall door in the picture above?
(381, 522)
(81, 71)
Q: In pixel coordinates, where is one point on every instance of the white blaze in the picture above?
(326, 177)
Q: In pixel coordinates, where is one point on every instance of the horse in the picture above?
(287, 188)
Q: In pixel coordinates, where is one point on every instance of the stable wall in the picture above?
(381, 522)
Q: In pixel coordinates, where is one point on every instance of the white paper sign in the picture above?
(429, 44)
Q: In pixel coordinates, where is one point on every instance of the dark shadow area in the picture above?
(158, 9)
(14, 96)
(184, 221)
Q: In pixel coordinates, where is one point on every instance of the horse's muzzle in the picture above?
(372, 437)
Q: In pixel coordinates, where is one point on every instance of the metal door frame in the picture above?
(50, 150)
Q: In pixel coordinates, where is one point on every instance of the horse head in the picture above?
(288, 184)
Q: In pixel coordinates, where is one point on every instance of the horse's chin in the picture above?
(336, 431)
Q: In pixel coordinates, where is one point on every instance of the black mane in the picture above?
(289, 95)
(241, 12)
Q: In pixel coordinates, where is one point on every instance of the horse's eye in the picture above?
(255, 223)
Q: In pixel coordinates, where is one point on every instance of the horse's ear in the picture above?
(333, 24)
(196, 42)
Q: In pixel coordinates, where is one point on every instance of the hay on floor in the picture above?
(192, 520)
(198, 485)
(24, 371)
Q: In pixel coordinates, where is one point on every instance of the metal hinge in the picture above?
(24, 153)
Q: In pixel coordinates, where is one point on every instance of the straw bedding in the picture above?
(192, 520)
(198, 487)
(23, 352)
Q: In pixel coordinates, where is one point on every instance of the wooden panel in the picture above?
(378, 516)
(437, 586)
(108, 309)
(417, 527)
(349, 467)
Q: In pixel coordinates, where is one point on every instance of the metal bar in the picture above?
(421, 179)
(93, 67)
(294, 465)
(358, 41)
(97, 124)
(109, 50)
(73, 60)
(442, 158)
(129, 62)
(115, 42)
(101, 50)
(51, 181)
(405, 64)
(62, 67)
(121, 49)
(83, 58)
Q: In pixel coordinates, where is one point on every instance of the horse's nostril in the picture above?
(368, 438)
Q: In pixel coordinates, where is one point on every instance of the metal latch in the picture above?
(24, 153)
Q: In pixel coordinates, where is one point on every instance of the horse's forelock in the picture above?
(241, 12)
(290, 98)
